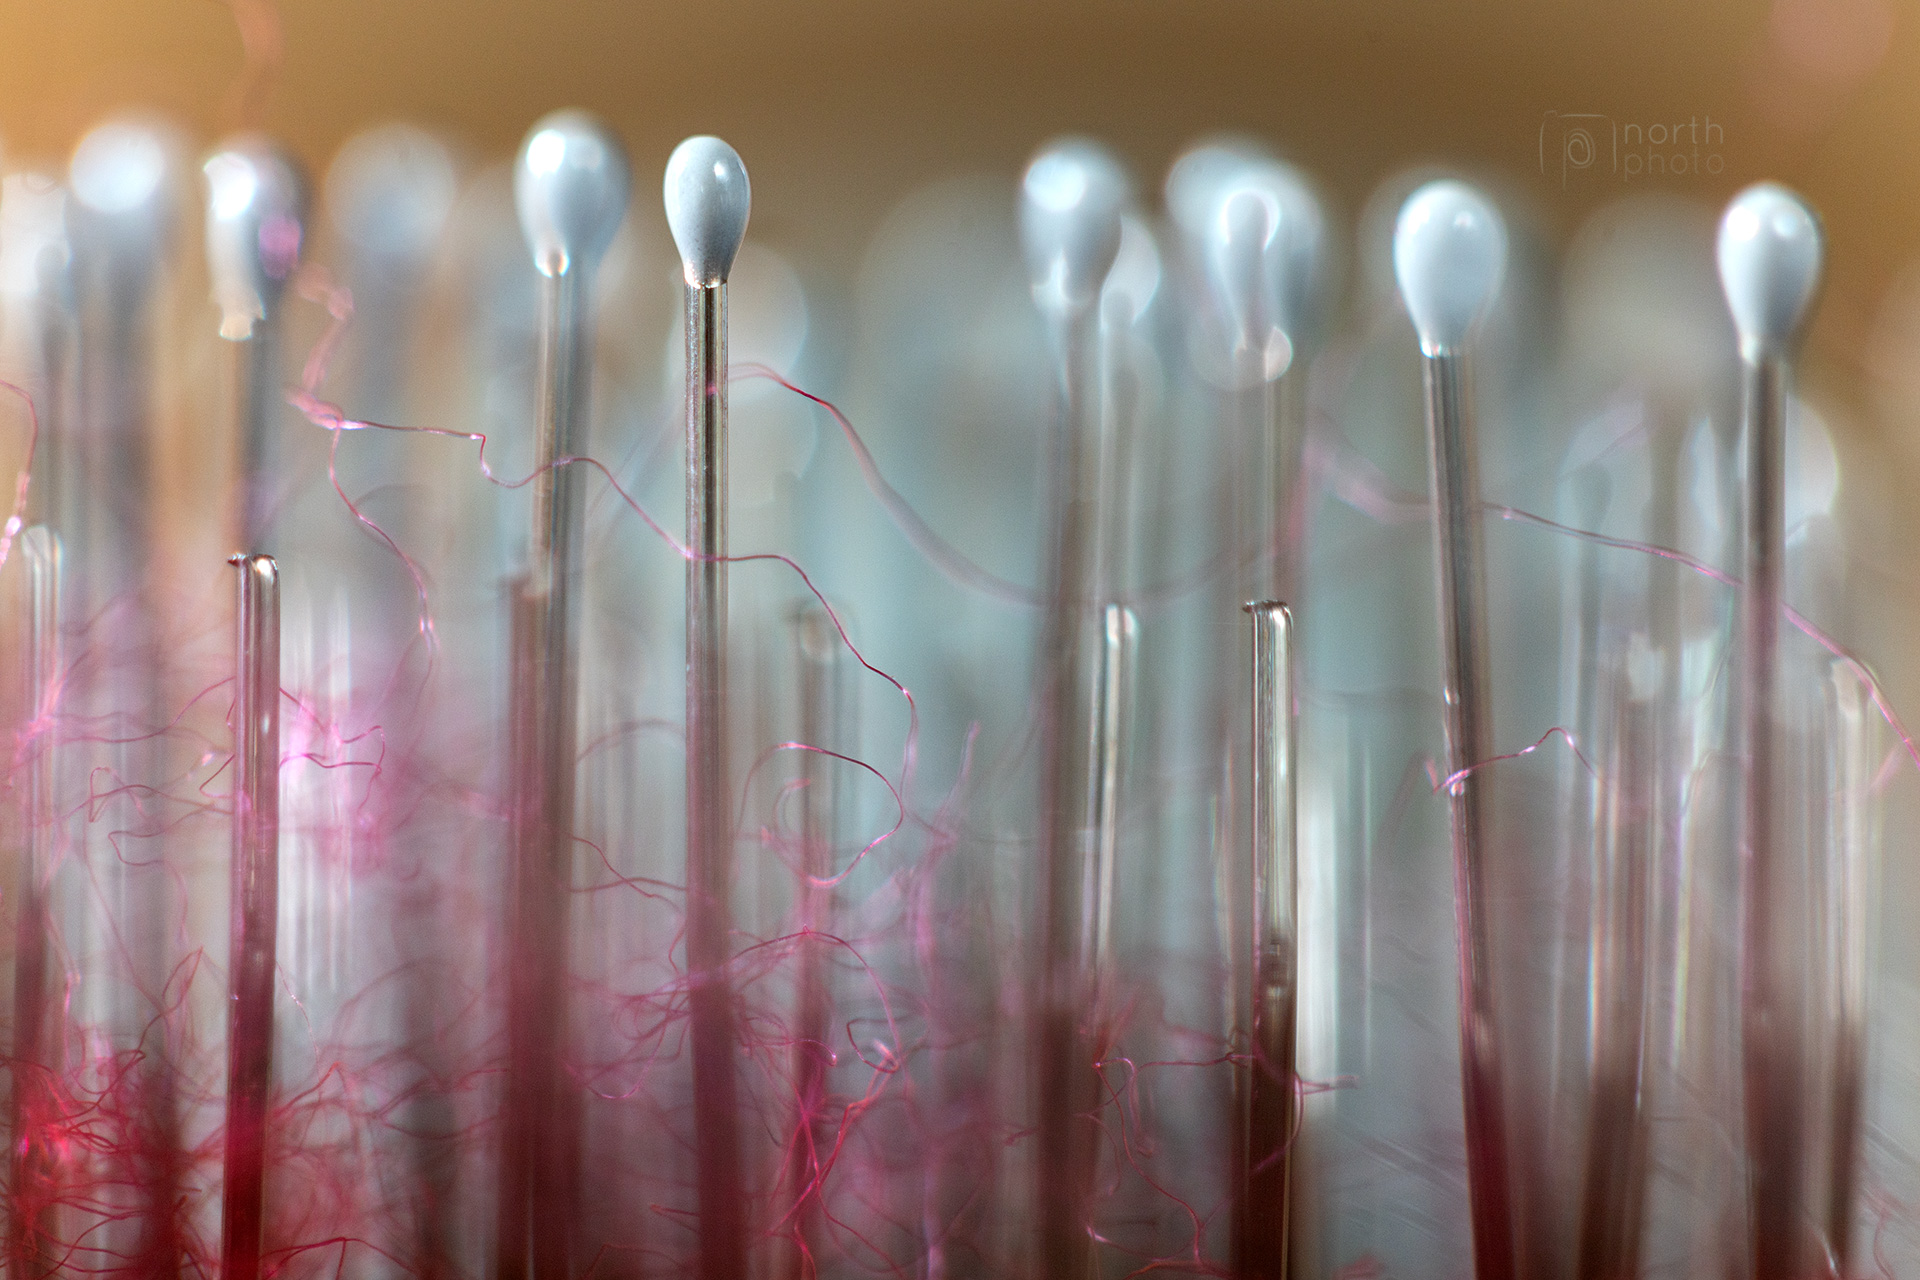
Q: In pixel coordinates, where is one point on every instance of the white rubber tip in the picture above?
(1770, 257)
(1263, 241)
(708, 199)
(1070, 206)
(35, 249)
(1449, 254)
(390, 191)
(256, 220)
(123, 168)
(1194, 183)
(570, 186)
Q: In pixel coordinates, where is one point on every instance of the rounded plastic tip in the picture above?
(570, 186)
(390, 191)
(123, 169)
(1264, 240)
(34, 245)
(708, 199)
(1770, 256)
(1070, 206)
(256, 219)
(1195, 181)
(1449, 253)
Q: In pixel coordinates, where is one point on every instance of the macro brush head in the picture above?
(632, 916)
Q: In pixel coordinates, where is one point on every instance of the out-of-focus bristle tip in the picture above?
(570, 186)
(1071, 200)
(256, 223)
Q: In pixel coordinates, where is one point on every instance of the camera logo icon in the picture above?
(1576, 145)
(1571, 143)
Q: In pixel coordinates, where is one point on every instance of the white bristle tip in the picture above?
(708, 200)
(570, 186)
(1770, 255)
(1195, 180)
(391, 189)
(1070, 205)
(1449, 254)
(121, 168)
(256, 222)
(252, 183)
(1266, 229)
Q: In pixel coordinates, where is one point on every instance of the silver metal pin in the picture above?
(1770, 255)
(1263, 1223)
(570, 187)
(708, 200)
(1449, 255)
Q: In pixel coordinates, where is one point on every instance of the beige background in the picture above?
(841, 105)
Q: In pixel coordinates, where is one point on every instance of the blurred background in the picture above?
(842, 107)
